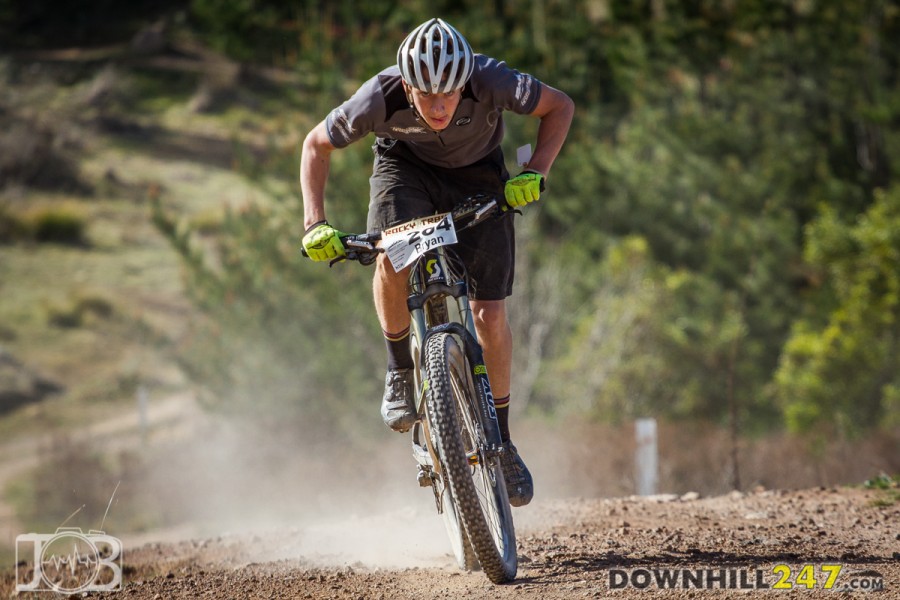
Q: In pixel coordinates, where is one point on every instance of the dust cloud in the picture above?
(327, 500)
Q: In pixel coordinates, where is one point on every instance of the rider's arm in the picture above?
(314, 165)
(555, 110)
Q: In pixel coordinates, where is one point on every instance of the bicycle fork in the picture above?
(430, 290)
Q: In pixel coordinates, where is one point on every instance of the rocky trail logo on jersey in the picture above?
(408, 130)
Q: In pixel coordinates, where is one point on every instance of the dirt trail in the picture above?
(568, 549)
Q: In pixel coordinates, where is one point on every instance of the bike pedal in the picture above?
(473, 459)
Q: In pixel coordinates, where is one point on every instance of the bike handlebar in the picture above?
(362, 247)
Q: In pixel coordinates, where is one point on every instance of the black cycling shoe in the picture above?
(519, 485)
(397, 405)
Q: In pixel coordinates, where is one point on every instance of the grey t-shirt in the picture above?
(380, 106)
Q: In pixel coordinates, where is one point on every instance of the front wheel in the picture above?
(459, 541)
(476, 481)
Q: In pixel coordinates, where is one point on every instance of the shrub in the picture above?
(60, 225)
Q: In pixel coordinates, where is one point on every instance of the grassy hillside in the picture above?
(93, 302)
(92, 295)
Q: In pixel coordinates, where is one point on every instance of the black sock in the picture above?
(502, 406)
(399, 354)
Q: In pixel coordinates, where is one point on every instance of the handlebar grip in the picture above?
(359, 247)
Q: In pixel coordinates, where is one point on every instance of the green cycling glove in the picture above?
(524, 188)
(322, 242)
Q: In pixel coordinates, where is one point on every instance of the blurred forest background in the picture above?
(719, 247)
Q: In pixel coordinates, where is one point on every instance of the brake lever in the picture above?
(360, 244)
(483, 210)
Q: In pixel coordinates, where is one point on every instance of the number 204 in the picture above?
(416, 236)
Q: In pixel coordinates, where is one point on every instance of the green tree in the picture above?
(842, 369)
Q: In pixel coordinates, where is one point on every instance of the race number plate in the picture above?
(408, 241)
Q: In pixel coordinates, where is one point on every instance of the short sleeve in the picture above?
(357, 117)
(507, 88)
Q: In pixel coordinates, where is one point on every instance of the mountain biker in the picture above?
(436, 116)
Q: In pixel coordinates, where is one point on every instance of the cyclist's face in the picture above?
(436, 109)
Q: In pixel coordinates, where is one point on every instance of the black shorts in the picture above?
(403, 188)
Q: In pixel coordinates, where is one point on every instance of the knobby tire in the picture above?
(478, 490)
(459, 541)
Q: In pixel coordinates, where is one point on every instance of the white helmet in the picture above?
(435, 58)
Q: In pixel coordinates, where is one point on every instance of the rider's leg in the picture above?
(390, 290)
(399, 192)
(496, 341)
